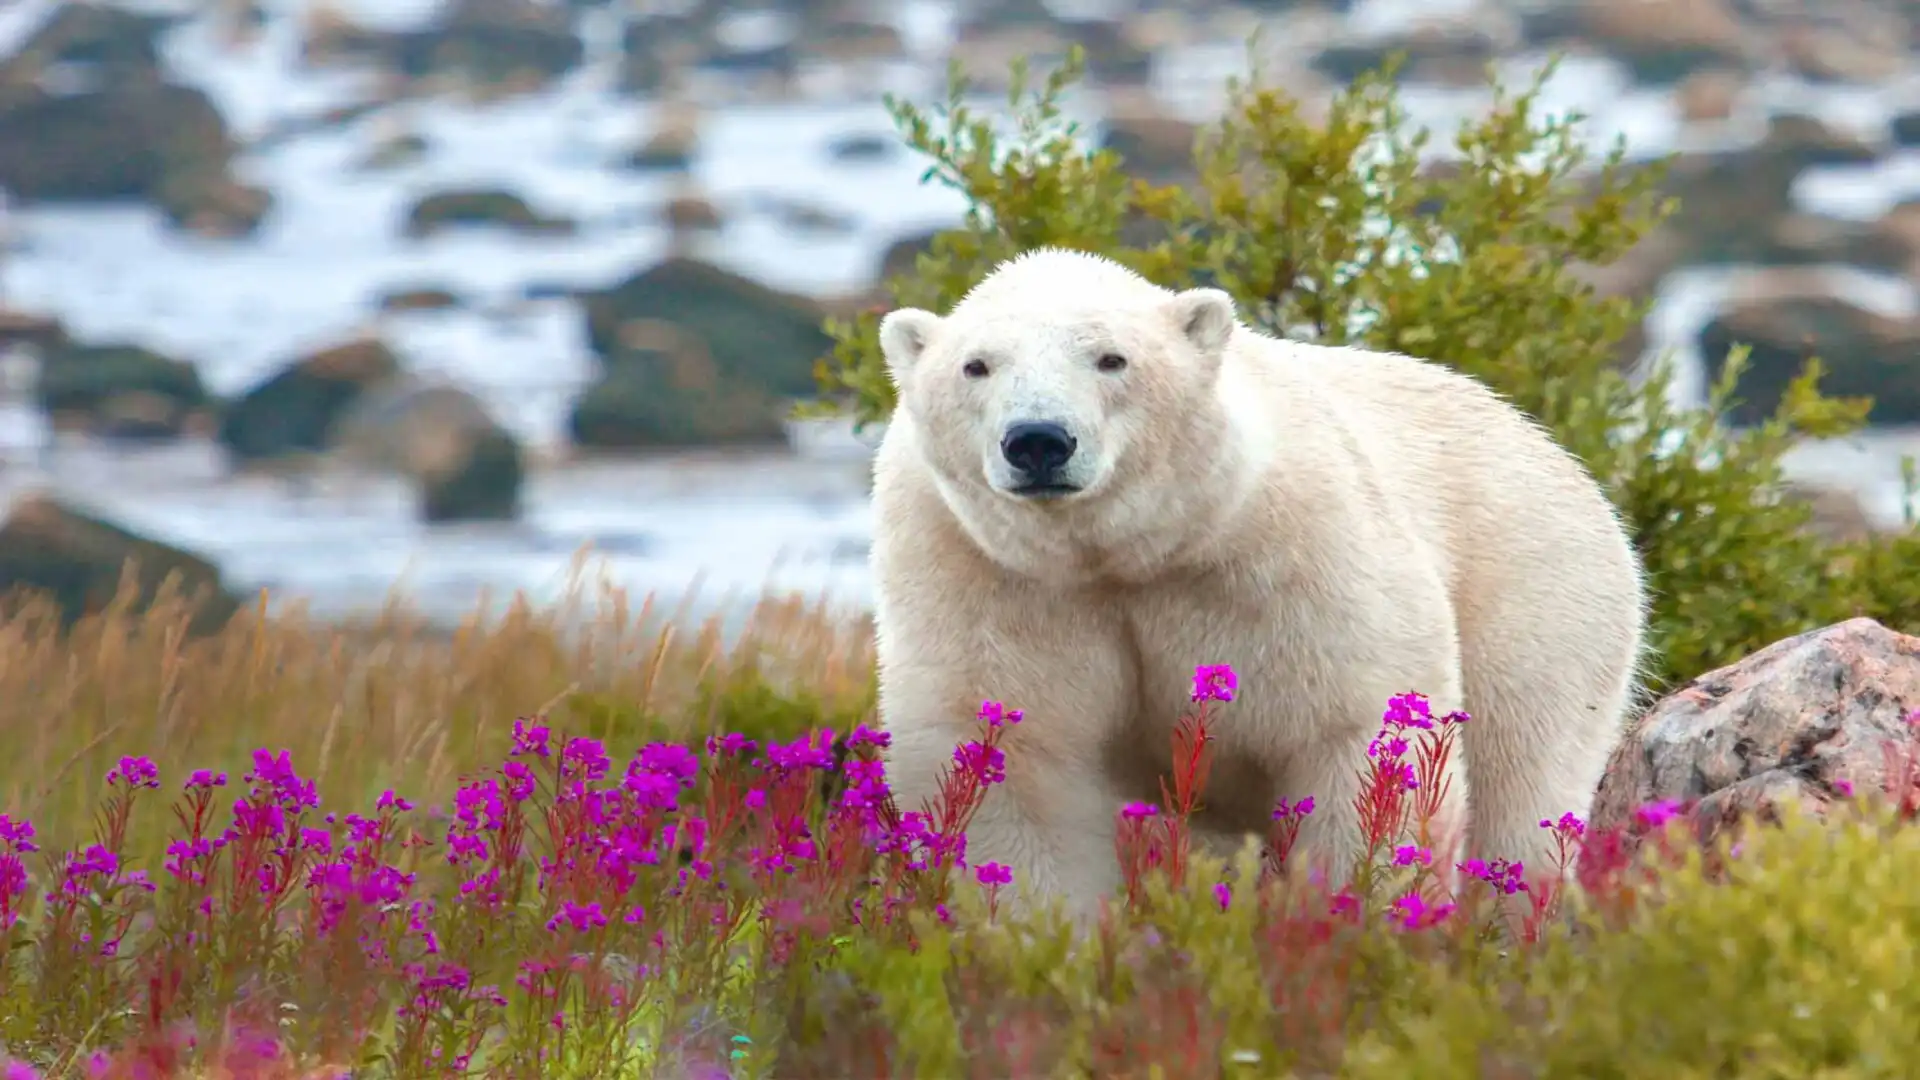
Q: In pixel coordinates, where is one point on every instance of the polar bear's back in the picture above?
(1526, 535)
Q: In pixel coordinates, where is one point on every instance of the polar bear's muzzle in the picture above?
(1038, 452)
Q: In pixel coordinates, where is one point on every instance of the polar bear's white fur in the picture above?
(1338, 525)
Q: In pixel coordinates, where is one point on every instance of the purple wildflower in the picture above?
(134, 772)
(996, 715)
(1414, 913)
(1282, 810)
(1214, 682)
(986, 764)
(1410, 855)
(1656, 814)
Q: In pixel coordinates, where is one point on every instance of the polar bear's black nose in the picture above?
(1037, 448)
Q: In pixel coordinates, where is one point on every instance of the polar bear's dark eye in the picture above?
(975, 369)
(1112, 362)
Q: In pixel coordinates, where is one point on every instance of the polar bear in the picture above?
(1092, 484)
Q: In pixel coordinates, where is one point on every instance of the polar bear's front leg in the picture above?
(1051, 821)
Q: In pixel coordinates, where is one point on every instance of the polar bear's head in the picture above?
(1065, 385)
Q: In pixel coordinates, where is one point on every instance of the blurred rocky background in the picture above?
(334, 295)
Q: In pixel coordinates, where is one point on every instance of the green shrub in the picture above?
(1331, 231)
(1794, 960)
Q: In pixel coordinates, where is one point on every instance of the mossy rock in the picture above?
(491, 41)
(756, 336)
(1864, 354)
(1453, 46)
(51, 548)
(488, 42)
(1732, 198)
(116, 143)
(96, 384)
(293, 413)
(640, 408)
(464, 466)
(114, 40)
(479, 207)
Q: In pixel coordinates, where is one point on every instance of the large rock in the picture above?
(120, 390)
(28, 328)
(1453, 52)
(1864, 353)
(293, 413)
(488, 42)
(657, 48)
(114, 42)
(1801, 719)
(1155, 144)
(465, 466)
(50, 548)
(667, 390)
(1732, 202)
(902, 257)
(162, 144)
(1661, 41)
(671, 145)
(755, 335)
(481, 207)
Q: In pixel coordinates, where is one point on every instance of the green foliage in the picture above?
(1792, 960)
(1332, 231)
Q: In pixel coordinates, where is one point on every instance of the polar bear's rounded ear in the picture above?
(1205, 316)
(904, 334)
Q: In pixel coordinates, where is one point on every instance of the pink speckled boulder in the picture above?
(1802, 718)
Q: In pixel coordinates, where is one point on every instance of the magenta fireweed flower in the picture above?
(1843, 787)
(579, 917)
(1282, 811)
(1139, 811)
(530, 738)
(389, 801)
(1223, 894)
(985, 764)
(1214, 682)
(134, 772)
(1653, 815)
(82, 866)
(807, 752)
(186, 859)
(19, 1070)
(670, 759)
(520, 780)
(477, 806)
(1413, 912)
(1506, 877)
(730, 744)
(1409, 710)
(13, 886)
(17, 835)
(273, 775)
(1569, 823)
(1410, 855)
(866, 793)
(584, 761)
(993, 874)
(202, 779)
(996, 715)
(866, 736)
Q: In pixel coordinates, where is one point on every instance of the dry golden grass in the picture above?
(388, 702)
